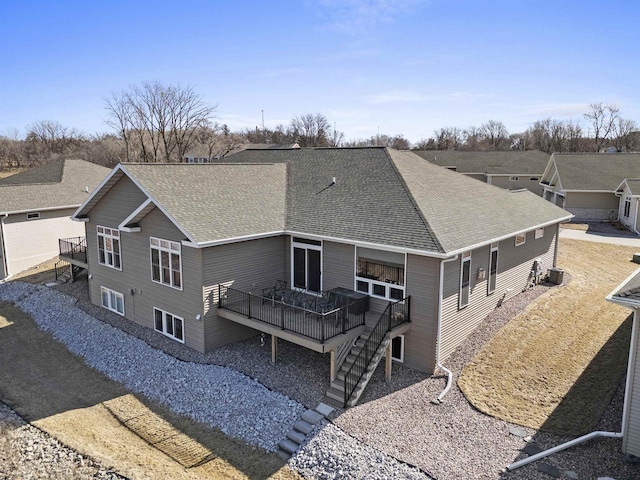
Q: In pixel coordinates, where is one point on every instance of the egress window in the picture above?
(168, 324)
(112, 300)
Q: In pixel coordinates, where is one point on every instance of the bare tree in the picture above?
(311, 130)
(494, 134)
(448, 138)
(624, 135)
(603, 118)
(52, 136)
(218, 140)
(157, 122)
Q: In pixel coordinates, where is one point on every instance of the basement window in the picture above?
(33, 216)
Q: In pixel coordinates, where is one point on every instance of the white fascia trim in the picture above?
(45, 209)
(130, 229)
(551, 163)
(157, 204)
(509, 235)
(225, 241)
(620, 301)
(590, 191)
(377, 246)
(135, 213)
(104, 181)
(83, 219)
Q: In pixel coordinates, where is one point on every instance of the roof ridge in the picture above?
(412, 198)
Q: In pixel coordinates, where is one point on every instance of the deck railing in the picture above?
(319, 326)
(74, 248)
(394, 315)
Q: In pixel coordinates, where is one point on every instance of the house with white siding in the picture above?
(627, 294)
(360, 253)
(36, 207)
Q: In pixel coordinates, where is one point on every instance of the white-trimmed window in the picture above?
(33, 216)
(520, 239)
(109, 247)
(166, 262)
(397, 349)
(627, 207)
(493, 268)
(539, 233)
(168, 324)
(465, 279)
(112, 300)
(380, 273)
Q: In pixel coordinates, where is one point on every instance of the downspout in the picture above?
(598, 434)
(438, 401)
(555, 248)
(4, 252)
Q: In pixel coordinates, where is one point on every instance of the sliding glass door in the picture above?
(306, 264)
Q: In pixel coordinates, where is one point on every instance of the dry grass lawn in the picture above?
(40, 274)
(556, 366)
(54, 390)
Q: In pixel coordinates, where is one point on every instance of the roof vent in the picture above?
(86, 189)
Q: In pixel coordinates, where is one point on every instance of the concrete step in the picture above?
(288, 446)
(284, 456)
(303, 427)
(296, 436)
(312, 417)
(333, 402)
(324, 409)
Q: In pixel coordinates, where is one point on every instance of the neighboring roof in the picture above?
(209, 201)
(385, 196)
(380, 196)
(632, 184)
(501, 162)
(60, 183)
(629, 290)
(595, 171)
(269, 146)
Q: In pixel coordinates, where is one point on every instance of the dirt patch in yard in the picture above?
(556, 366)
(40, 274)
(56, 392)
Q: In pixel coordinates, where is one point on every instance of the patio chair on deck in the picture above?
(275, 293)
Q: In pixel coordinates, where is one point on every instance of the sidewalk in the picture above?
(627, 240)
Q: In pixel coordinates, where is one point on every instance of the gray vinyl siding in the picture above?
(247, 266)
(514, 266)
(422, 278)
(338, 267)
(141, 294)
(631, 441)
(522, 182)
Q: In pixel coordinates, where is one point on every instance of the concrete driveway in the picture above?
(627, 240)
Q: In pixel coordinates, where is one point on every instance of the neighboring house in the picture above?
(629, 193)
(589, 184)
(627, 294)
(509, 169)
(201, 154)
(188, 250)
(35, 210)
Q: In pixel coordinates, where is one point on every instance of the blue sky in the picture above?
(403, 67)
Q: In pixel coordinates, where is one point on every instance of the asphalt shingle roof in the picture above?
(463, 212)
(596, 171)
(514, 162)
(217, 201)
(629, 289)
(634, 186)
(62, 183)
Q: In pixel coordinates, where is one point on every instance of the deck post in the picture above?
(387, 363)
(333, 365)
(274, 349)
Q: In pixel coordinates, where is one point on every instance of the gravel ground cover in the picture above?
(236, 404)
(28, 453)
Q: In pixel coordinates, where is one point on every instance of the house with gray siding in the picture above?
(363, 254)
(36, 207)
(627, 294)
(590, 185)
(508, 169)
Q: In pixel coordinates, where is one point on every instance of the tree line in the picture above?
(153, 122)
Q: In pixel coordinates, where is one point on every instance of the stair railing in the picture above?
(395, 314)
